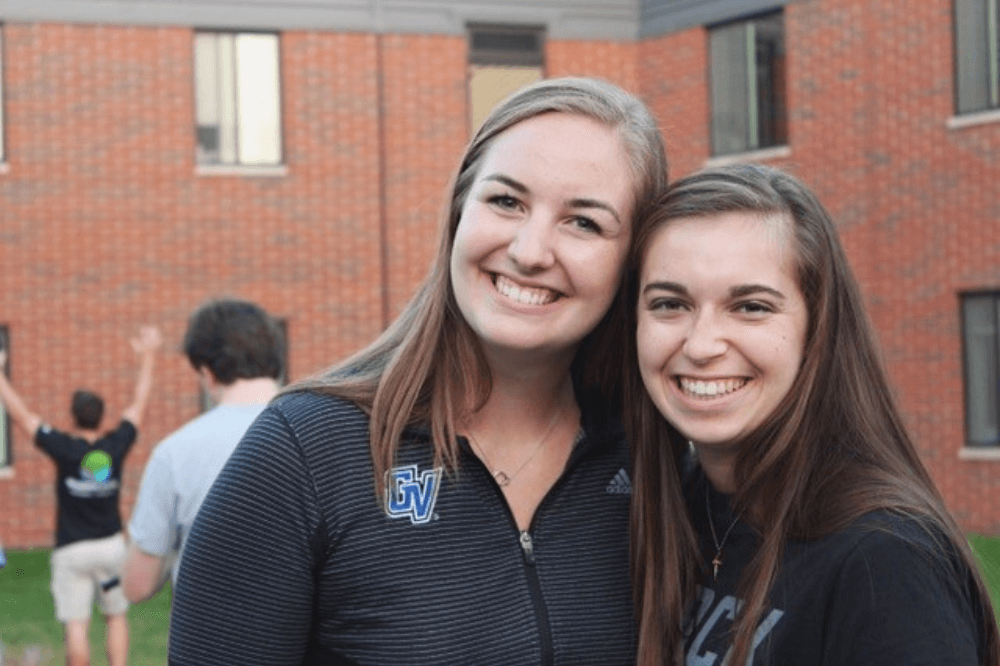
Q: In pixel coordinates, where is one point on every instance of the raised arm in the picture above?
(15, 406)
(146, 345)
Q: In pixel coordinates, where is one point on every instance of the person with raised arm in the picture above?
(90, 547)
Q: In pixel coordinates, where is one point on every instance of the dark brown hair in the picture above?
(234, 339)
(428, 367)
(87, 409)
(834, 449)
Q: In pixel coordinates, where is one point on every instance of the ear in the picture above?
(207, 379)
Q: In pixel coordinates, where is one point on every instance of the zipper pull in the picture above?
(528, 546)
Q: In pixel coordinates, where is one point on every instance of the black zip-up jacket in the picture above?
(292, 561)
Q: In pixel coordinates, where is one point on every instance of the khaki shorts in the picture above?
(82, 570)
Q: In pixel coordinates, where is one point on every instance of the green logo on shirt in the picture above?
(96, 466)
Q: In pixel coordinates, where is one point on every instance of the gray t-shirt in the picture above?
(179, 474)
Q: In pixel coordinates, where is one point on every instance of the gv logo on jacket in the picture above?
(412, 494)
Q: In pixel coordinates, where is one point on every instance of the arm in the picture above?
(15, 406)
(145, 574)
(152, 531)
(145, 345)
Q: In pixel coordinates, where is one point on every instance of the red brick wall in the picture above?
(104, 225)
(869, 93)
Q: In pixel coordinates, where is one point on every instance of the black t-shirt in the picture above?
(88, 479)
(881, 592)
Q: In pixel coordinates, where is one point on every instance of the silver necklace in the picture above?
(717, 560)
(502, 478)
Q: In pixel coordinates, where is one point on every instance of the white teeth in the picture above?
(710, 389)
(524, 295)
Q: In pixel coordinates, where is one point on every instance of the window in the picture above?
(981, 333)
(501, 60)
(3, 153)
(976, 55)
(237, 98)
(4, 418)
(747, 80)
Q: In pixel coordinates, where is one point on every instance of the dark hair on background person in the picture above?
(87, 408)
(235, 339)
(833, 450)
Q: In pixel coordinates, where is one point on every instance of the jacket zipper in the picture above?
(527, 543)
(535, 589)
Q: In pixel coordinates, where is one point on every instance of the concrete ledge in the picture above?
(979, 453)
(761, 155)
(276, 171)
(973, 119)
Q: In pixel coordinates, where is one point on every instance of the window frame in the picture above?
(3, 97)
(964, 297)
(755, 138)
(6, 447)
(238, 162)
(990, 59)
(524, 63)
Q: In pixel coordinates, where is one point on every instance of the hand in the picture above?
(148, 340)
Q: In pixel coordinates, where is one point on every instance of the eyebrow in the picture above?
(738, 291)
(573, 203)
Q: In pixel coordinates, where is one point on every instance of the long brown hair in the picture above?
(834, 449)
(428, 366)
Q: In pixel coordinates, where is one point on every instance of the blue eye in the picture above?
(504, 201)
(586, 224)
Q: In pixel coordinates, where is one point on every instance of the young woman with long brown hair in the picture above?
(807, 530)
(485, 419)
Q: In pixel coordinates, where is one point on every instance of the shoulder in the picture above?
(902, 588)
(221, 422)
(314, 414)
(125, 429)
(902, 560)
(320, 429)
(48, 437)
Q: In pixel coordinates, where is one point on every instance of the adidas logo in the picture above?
(620, 484)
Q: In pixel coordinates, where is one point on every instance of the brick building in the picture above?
(155, 154)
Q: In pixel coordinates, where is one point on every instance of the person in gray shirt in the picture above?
(237, 349)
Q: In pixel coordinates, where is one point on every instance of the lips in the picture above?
(710, 388)
(524, 295)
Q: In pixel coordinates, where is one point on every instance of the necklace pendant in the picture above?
(716, 563)
(501, 478)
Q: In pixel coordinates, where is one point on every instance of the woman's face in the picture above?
(721, 325)
(544, 231)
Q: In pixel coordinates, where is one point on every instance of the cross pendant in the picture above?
(716, 563)
(501, 478)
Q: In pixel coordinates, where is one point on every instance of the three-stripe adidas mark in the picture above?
(620, 484)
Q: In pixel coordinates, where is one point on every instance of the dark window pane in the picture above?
(772, 126)
(972, 55)
(981, 327)
(730, 90)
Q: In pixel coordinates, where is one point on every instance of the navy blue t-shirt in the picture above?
(88, 480)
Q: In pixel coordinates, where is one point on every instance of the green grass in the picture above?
(27, 616)
(28, 625)
(987, 550)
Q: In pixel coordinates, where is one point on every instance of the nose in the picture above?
(531, 247)
(705, 338)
